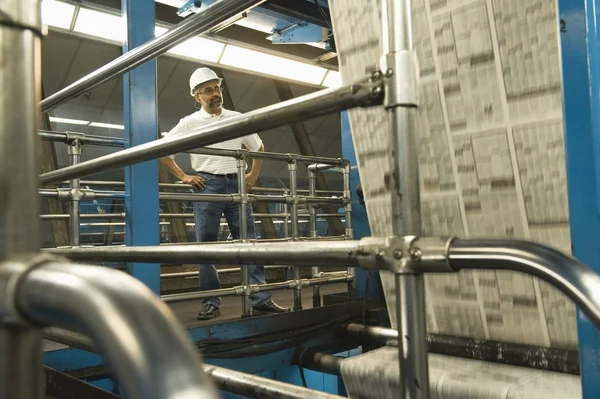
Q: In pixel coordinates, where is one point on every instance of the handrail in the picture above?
(573, 278)
(363, 93)
(139, 335)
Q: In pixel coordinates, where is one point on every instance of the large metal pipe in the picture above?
(304, 253)
(576, 280)
(227, 380)
(309, 106)
(321, 362)
(259, 387)
(197, 24)
(399, 64)
(139, 335)
(537, 357)
(20, 80)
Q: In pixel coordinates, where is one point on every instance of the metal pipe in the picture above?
(302, 253)
(225, 379)
(332, 162)
(239, 290)
(241, 175)
(374, 333)
(140, 336)
(83, 138)
(549, 359)
(293, 178)
(399, 65)
(259, 387)
(313, 105)
(573, 278)
(20, 79)
(312, 187)
(219, 271)
(323, 167)
(197, 24)
(75, 156)
(348, 223)
(320, 362)
(187, 186)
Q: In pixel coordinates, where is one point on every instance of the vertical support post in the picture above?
(400, 68)
(241, 175)
(293, 174)
(580, 58)
(312, 213)
(141, 126)
(75, 156)
(20, 79)
(286, 220)
(349, 230)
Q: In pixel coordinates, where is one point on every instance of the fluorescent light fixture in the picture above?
(273, 65)
(69, 121)
(333, 79)
(107, 125)
(56, 13)
(100, 24)
(199, 48)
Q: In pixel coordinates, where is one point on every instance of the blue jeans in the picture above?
(207, 216)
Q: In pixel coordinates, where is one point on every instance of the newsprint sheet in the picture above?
(492, 159)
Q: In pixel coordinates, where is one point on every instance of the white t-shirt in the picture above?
(211, 163)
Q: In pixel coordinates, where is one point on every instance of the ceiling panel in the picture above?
(90, 56)
(165, 68)
(57, 54)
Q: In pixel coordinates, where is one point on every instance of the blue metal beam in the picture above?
(581, 99)
(360, 220)
(141, 126)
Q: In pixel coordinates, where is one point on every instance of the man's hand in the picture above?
(195, 181)
(250, 180)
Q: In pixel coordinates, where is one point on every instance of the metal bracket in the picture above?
(81, 194)
(74, 139)
(401, 75)
(406, 254)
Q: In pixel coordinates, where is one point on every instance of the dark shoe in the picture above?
(270, 307)
(208, 312)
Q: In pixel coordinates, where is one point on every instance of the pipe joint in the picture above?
(401, 71)
(406, 254)
(75, 141)
(241, 155)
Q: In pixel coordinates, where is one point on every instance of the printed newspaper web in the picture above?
(491, 153)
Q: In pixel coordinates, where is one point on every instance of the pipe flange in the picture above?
(12, 273)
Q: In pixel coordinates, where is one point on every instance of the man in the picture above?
(218, 175)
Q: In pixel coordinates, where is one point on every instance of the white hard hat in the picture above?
(200, 76)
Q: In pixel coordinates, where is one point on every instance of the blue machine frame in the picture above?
(581, 102)
(141, 126)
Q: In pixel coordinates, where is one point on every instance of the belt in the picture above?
(225, 176)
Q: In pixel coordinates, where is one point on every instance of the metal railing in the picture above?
(74, 194)
(47, 290)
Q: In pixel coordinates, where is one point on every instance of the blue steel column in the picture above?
(581, 98)
(360, 221)
(141, 126)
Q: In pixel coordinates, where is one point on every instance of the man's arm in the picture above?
(171, 165)
(252, 176)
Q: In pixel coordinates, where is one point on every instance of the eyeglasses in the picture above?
(209, 91)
